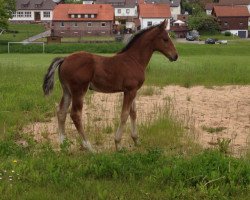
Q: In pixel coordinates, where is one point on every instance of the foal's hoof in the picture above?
(61, 138)
(118, 146)
(137, 142)
(86, 145)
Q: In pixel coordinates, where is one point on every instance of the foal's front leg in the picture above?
(132, 115)
(127, 101)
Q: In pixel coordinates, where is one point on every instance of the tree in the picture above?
(6, 9)
(203, 23)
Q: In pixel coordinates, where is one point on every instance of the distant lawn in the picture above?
(24, 31)
(218, 36)
(80, 39)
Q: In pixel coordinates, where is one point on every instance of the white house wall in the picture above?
(175, 11)
(235, 32)
(32, 18)
(144, 22)
(123, 13)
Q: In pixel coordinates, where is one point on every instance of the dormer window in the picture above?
(25, 3)
(82, 15)
(225, 23)
(38, 5)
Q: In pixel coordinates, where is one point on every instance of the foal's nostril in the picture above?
(176, 57)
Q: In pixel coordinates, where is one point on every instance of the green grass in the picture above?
(218, 36)
(24, 31)
(168, 165)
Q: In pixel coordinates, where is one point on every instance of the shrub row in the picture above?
(64, 48)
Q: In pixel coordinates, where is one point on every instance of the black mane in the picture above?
(135, 37)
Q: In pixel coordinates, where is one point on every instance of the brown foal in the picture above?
(124, 72)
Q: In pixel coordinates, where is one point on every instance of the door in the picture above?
(242, 34)
(37, 16)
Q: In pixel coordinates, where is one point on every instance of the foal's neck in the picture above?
(140, 53)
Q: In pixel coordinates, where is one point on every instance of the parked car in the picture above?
(192, 35)
(190, 38)
(221, 42)
(210, 41)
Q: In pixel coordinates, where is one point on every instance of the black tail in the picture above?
(48, 82)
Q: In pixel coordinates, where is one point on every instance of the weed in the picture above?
(213, 129)
(223, 145)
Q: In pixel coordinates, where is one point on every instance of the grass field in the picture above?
(176, 169)
(19, 32)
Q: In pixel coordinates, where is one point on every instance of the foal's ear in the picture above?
(164, 24)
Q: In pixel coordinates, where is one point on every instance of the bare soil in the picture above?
(209, 115)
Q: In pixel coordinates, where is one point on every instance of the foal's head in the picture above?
(163, 43)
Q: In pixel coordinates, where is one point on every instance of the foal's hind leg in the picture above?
(62, 113)
(76, 114)
(127, 101)
(132, 114)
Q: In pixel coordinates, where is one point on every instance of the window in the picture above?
(72, 16)
(103, 24)
(14, 14)
(89, 24)
(150, 23)
(79, 16)
(75, 24)
(92, 16)
(127, 11)
(119, 11)
(19, 14)
(46, 14)
(62, 24)
(85, 16)
(225, 23)
(27, 14)
(241, 23)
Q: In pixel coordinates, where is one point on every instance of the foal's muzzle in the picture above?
(174, 58)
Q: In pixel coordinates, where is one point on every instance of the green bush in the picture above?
(227, 33)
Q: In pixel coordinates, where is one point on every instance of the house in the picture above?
(175, 6)
(209, 6)
(237, 3)
(125, 11)
(29, 11)
(152, 14)
(75, 20)
(233, 19)
(179, 28)
(88, 1)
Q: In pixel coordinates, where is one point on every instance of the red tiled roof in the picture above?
(231, 11)
(154, 10)
(62, 12)
(235, 2)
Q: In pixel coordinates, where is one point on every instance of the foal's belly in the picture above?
(103, 88)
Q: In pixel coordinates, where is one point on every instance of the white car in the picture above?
(221, 42)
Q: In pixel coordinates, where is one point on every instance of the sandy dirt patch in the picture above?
(208, 114)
